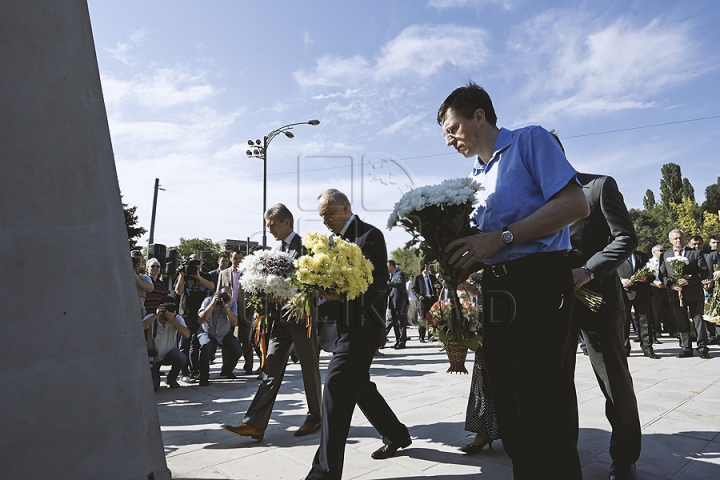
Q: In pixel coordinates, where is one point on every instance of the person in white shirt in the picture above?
(161, 331)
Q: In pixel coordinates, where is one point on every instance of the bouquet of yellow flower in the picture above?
(336, 265)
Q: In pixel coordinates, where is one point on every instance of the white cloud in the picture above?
(577, 66)
(307, 41)
(419, 51)
(409, 121)
(447, 4)
(161, 87)
(123, 51)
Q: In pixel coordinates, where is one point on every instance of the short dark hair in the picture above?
(466, 101)
(696, 238)
(280, 212)
(392, 263)
(167, 299)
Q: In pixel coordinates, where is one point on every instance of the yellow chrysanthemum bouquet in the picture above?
(336, 265)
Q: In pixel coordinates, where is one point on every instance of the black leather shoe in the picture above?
(422, 340)
(387, 451)
(685, 354)
(473, 447)
(648, 352)
(705, 355)
(399, 346)
(623, 472)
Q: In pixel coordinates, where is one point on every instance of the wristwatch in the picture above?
(589, 272)
(507, 236)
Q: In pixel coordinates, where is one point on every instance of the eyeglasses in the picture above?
(451, 131)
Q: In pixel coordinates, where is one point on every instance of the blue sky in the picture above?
(186, 84)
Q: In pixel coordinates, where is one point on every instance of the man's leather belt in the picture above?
(523, 265)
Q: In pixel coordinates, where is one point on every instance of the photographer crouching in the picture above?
(218, 317)
(161, 330)
(192, 286)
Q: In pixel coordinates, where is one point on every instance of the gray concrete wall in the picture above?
(76, 400)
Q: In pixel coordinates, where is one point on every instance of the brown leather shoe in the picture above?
(307, 428)
(245, 430)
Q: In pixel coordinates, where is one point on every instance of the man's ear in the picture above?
(479, 115)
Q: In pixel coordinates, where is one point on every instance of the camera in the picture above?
(170, 307)
(224, 296)
(189, 267)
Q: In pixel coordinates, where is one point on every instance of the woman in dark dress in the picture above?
(480, 415)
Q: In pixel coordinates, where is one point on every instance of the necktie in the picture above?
(428, 286)
(284, 246)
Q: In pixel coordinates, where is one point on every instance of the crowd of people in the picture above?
(536, 214)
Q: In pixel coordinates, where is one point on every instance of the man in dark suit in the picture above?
(397, 304)
(639, 296)
(360, 327)
(284, 335)
(696, 242)
(424, 289)
(690, 291)
(601, 243)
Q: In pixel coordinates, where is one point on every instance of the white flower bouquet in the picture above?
(648, 271)
(435, 215)
(267, 273)
(677, 265)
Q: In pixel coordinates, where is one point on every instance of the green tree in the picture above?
(685, 216)
(712, 198)
(649, 200)
(408, 259)
(710, 225)
(210, 251)
(133, 230)
(671, 184)
(687, 190)
(651, 227)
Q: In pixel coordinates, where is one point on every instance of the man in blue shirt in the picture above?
(531, 194)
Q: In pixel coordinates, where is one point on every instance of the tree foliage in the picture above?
(133, 230)
(408, 259)
(209, 249)
(671, 184)
(687, 190)
(649, 200)
(712, 198)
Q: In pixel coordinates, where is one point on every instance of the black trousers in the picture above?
(663, 312)
(347, 383)
(642, 304)
(604, 339)
(424, 307)
(398, 323)
(683, 319)
(530, 354)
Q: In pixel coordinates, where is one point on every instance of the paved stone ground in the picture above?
(679, 401)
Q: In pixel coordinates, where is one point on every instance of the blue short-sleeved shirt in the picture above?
(526, 169)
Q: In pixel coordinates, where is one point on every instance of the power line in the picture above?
(644, 126)
(453, 152)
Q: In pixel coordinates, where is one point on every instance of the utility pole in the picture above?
(152, 221)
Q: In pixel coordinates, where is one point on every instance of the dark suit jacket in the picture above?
(418, 286)
(712, 257)
(360, 322)
(297, 249)
(603, 240)
(397, 296)
(626, 270)
(697, 269)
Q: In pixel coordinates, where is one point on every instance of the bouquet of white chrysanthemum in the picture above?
(267, 273)
(648, 271)
(435, 215)
(338, 266)
(677, 265)
(712, 307)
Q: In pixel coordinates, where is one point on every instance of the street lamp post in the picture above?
(259, 150)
